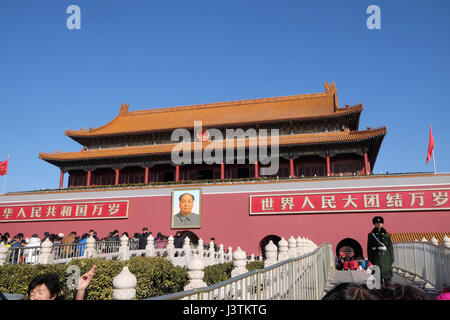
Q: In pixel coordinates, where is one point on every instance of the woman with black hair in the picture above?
(48, 287)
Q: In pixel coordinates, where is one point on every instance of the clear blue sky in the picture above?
(167, 53)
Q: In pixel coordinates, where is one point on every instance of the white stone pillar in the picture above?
(299, 246)
(292, 250)
(221, 254)
(200, 248)
(45, 253)
(283, 250)
(252, 257)
(239, 262)
(187, 249)
(90, 251)
(434, 241)
(124, 249)
(150, 247)
(3, 253)
(195, 273)
(271, 254)
(230, 254)
(124, 285)
(211, 253)
(309, 245)
(170, 248)
(446, 241)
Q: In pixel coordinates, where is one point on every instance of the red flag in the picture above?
(3, 167)
(430, 146)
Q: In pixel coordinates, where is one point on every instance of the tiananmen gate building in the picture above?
(254, 169)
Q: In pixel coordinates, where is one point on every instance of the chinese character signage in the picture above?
(64, 211)
(385, 200)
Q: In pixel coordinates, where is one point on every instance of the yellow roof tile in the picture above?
(306, 106)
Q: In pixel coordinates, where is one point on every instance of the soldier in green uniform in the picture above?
(380, 250)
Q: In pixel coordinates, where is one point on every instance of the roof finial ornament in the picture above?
(124, 108)
(330, 88)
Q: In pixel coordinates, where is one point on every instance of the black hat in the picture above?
(377, 219)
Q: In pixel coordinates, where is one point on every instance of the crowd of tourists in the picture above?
(25, 249)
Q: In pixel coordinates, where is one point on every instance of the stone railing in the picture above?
(296, 269)
(423, 262)
(49, 253)
(195, 258)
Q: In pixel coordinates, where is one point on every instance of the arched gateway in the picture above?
(265, 241)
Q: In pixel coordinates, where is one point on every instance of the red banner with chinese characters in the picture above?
(383, 200)
(64, 211)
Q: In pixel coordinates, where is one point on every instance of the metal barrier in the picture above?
(301, 278)
(427, 262)
(20, 255)
(108, 250)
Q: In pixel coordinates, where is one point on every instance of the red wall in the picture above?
(226, 217)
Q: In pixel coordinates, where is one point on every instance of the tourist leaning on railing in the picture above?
(16, 251)
(82, 245)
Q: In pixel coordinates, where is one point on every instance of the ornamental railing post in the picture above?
(3, 253)
(45, 253)
(124, 248)
(150, 247)
(90, 251)
(124, 285)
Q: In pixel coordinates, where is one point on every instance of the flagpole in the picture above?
(434, 163)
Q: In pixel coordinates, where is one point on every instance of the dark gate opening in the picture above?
(192, 236)
(351, 247)
(265, 241)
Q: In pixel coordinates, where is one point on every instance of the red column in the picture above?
(88, 183)
(222, 171)
(256, 169)
(61, 180)
(291, 166)
(116, 181)
(177, 173)
(329, 166)
(146, 174)
(366, 164)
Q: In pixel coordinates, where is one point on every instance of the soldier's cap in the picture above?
(377, 219)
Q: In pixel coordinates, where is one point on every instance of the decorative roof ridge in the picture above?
(124, 108)
(370, 129)
(123, 111)
(226, 103)
(353, 106)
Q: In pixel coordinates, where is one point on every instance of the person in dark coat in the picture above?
(380, 250)
(177, 240)
(143, 238)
